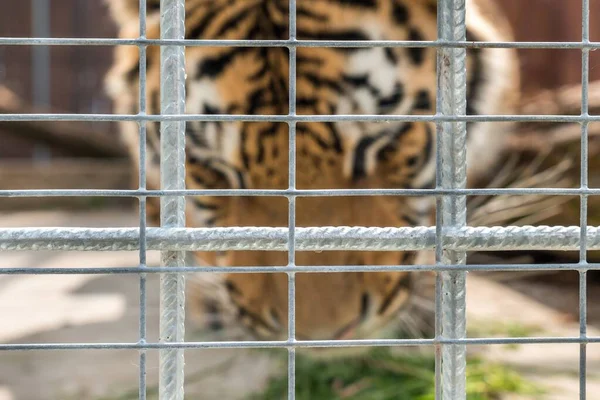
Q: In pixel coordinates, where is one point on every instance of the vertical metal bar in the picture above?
(142, 200)
(583, 334)
(451, 210)
(438, 301)
(172, 208)
(292, 207)
(583, 199)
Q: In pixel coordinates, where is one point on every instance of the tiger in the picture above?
(342, 154)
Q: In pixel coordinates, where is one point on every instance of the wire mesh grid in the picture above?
(450, 237)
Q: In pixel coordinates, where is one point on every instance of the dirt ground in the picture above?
(105, 308)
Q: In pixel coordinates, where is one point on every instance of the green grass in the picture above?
(506, 329)
(482, 329)
(382, 376)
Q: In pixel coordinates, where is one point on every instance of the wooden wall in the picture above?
(76, 72)
(552, 20)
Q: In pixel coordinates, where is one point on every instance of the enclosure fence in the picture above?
(450, 238)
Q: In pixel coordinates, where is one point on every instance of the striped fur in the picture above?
(385, 81)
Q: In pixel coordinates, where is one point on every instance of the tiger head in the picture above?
(342, 154)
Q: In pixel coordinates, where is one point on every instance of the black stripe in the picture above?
(133, 74)
(392, 145)
(320, 81)
(211, 309)
(153, 5)
(204, 206)
(389, 103)
(305, 13)
(201, 26)
(362, 80)
(241, 179)
(427, 154)
(216, 181)
(212, 67)
(244, 140)
(234, 20)
(335, 145)
(209, 109)
(477, 79)
(391, 55)
(364, 305)
(257, 319)
(356, 80)
(400, 13)
(358, 167)
(412, 220)
(304, 59)
(417, 54)
(349, 35)
(422, 100)
(279, 87)
(432, 7)
(261, 57)
(356, 3)
(268, 131)
(404, 282)
(259, 98)
(196, 135)
(155, 103)
(314, 105)
(232, 287)
(306, 102)
(282, 6)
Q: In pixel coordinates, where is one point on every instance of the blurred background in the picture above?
(55, 155)
(69, 79)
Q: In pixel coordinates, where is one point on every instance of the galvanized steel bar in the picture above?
(245, 344)
(554, 267)
(451, 210)
(299, 118)
(20, 41)
(142, 201)
(172, 209)
(297, 192)
(583, 211)
(307, 239)
(451, 238)
(292, 205)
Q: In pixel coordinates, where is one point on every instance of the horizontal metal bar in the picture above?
(297, 192)
(37, 41)
(296, 118)
(307, 239)
(297, 343)
(299, 269)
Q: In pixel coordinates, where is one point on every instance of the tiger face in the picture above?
(329, 155)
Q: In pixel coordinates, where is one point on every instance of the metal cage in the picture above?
(450, 238)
